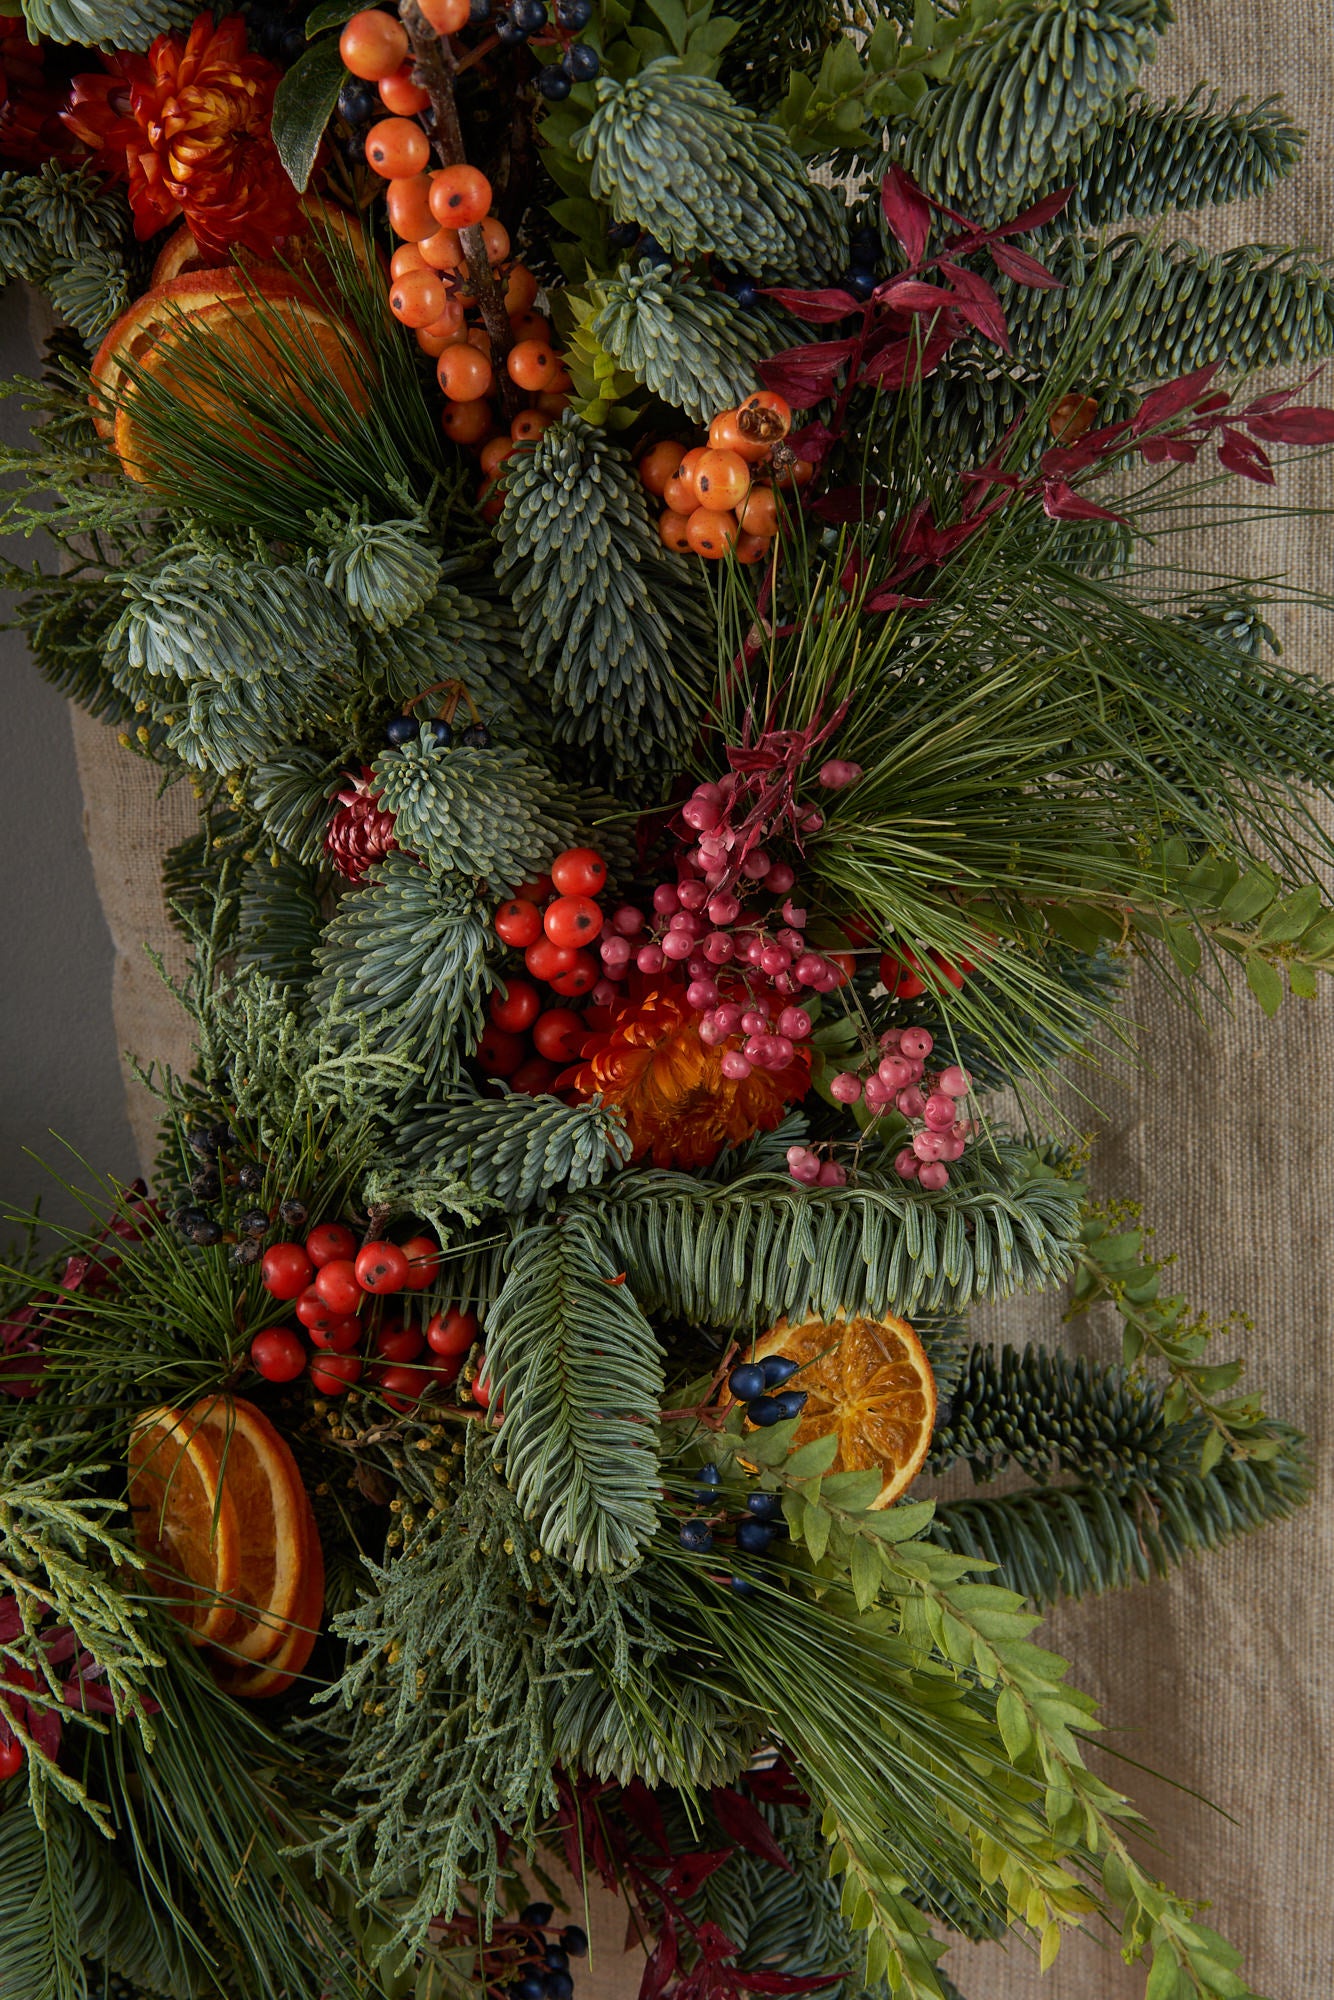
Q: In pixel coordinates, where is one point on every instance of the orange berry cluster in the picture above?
(724, 495)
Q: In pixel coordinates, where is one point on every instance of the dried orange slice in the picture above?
(180, 253)
(279, 1542)
(185, 1521)
(869, 1382)
(133, 336)
(276, 1674)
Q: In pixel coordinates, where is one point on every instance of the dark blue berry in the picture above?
(574, 14)
(223, 1136)
(190, 1219)
(203, 1144)
(709, 1475)
(480, 11)
(558, 1958)
(746, 293)
(248, 1252)
(764, 1411)
(292, 42)
(515, 1991)
(530, 15)
(747, 1382)
(508, 29)
(401, 729)
(764, 1506)
(696, 1535)
(351, 148)
(441, 733)
(554, 84)
(790, 1403)
(581, 63)
(358, 102)
(778, 1368)
(865, 246)
(622, 235)
(861, 283)
(575, 1941)
(560, 1986)
(753, 1537)
(653, 250)
(250, 1177)
(533, 1986)
(537, 1914)
(742, 1586)
(475, 737)
(206, 1232)
(205, 1183)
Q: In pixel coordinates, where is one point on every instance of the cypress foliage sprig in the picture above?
(581, 1374)
(408, 960)
(516, 1149)
(677, 154)
(494, 813)
(619, 629)
(689, 344)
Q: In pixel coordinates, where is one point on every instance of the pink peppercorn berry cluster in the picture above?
(928, 1101)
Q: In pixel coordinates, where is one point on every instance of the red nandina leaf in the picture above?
(1061, 459)
(886, 599)
(912, 295)
(1062, 503)
(906, 361)
(1033, 218)
(1239, 455)
(805, 375)
(661, 1963)
(1167, 451)
(780, 1982)
(775, 1783)
(849, 503)
(741, 1822)
(818, 308)
(1305, 426)
(645, 1815)
(1173, 398)
(1025, 270)
(907, 211)
(689, 1872)
(813, 441)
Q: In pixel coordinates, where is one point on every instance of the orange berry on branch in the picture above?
(520, 290)
(680, 495)
(553, 402)
(529, 425)
(442, 332)
(444, 251)
(722, 480)
(799, 473)
(463, 373)
(660, 463)
(531, 326)
(1071, 416)
(417, 298)
(726, 434)
(468, 423)
(766, 416)
(373, 45)
(496, 238)
(401, 95)
(396, 148)
(532, 364)
(674, 531)
(495, 451)
(479, 338)
(406, 258)
(460, 196)
(447, 17)
(751, 548)
(711, 533)
(409, 209)
(758, 512)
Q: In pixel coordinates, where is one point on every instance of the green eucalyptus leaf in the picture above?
(302, 107)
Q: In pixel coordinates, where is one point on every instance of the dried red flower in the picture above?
(679, 1108)
(30, 99)
(188, 128)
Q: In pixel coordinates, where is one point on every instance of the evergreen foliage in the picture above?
(383, 571)
(458, 634)
(692, 346)
(63, 228)
(291, 795)
(493, 813)
(279, 919)
(603, 610)
(408, 961)
(677, 154)
(581, 1373)
(112, 24)
(519, 1150)
(209, 616)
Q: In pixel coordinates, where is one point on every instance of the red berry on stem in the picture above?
(314, 1314)
(574, 980)
(334, 1374)
(286, 1270)
(337, 1285)
(579, 871)
(329, 1240)
(277, 1354)
(340, 1335)
(546, 960)
(500, 1053)
(559, 1035)
(572, 920)
(518, 923)
(381, 1268)
(534, 1077)
(517, 1007)
(451, 1332)
(11, 1759)
(423, 1257)
(403, 1384)
(399, 1343)
(447, 17)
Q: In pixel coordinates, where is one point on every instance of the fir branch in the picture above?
(580, 1373)
(39, 1940)
(290, 794)
(407, 962)
(618, 625)
(677, 154)
(111, 24)
(518, 1150)
(755, 1249)
(691, 345)
(279, 918)
(383, 571)
(492, 813)
(211, 616)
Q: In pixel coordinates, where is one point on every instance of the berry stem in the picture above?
(434, 69)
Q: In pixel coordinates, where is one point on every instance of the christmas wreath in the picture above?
(647, 525)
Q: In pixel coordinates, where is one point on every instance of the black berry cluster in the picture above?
(545, 1973)
(198, 1212)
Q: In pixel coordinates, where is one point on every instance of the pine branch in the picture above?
(755, 1249)
(518, 1150)
(581, 1374)
(39, 1943)
(408, 961)
(601, 606)
(691, 345)
(677, 154)
(1013, 118)
(491, 813)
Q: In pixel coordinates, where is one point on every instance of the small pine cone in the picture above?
(359, 833)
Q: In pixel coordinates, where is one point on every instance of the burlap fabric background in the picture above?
(1222, 1675)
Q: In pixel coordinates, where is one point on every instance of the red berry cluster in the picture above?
(901, 972)
(930, 1104)
(553, 922)
(330, 1281)
(724, 495)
